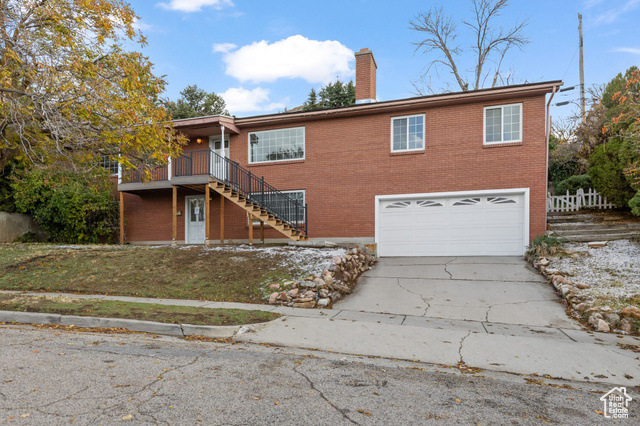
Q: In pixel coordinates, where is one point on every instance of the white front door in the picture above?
(219, 167)
(195, 219)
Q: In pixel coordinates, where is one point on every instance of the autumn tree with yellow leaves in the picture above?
(71, 91)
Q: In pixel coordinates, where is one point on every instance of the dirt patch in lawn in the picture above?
(233, 274)
(128, 310)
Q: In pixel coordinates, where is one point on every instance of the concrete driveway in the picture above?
(502, 290)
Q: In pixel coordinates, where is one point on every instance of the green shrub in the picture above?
(634, 203)
(607, 174)
(542, 245)
(27, 237)
(573, 183)
(69, 207)
(561, 170)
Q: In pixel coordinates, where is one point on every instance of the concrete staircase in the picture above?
(584, 226)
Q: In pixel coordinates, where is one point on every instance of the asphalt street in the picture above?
(54, 376)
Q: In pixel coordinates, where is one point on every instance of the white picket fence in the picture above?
(570, 203)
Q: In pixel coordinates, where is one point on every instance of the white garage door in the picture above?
(465, 225)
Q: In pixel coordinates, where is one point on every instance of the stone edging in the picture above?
(600, 318)
(214, 332)
(322, 291)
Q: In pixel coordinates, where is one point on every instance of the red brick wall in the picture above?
(348, 161)
(365, 75)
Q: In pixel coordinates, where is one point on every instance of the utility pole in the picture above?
(582, 102)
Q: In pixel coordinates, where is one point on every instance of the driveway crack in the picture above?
(342, 413)
(417, 294)
(461, 361)
(445, 267)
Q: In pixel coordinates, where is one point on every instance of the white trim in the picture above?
(187, 216)
(520, 191)
(484, 123)
(424, 125)
(304, 145)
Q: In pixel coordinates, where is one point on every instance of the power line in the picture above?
(571, 62)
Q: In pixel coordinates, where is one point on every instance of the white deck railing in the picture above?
(569, 203)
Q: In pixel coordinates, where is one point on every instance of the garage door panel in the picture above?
(459, 226)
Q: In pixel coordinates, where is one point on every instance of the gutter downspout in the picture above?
(546, 170)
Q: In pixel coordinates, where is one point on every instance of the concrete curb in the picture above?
(216, 332)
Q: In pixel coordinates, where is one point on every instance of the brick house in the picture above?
(451, 174)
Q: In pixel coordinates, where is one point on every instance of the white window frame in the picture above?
(304, 145)
(484, 124)
(304, 198)
(407, 117)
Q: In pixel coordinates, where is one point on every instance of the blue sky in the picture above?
(263, 56)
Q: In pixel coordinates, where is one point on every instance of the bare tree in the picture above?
(490, 46)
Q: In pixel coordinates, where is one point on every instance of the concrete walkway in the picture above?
(489, 313)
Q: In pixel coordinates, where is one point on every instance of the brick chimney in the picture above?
(365, 77)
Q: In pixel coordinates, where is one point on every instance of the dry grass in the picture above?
(162, 272)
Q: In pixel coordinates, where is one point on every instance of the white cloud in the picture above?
(632, 50)
(614, 12)
(141, 26)
(294, 57)
(239, 99)
(223, 47)
(195, 5)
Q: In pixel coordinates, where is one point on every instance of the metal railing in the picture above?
(255, 189)
(252, 187)
(157, 174)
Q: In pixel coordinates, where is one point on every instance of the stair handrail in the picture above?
(254, 188)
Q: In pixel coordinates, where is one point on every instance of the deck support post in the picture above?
(250, 228)
(121, 217)
(174, 218)
(262, 231)
(207, 217)
(221, 219)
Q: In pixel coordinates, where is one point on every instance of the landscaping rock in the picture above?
(327, 288)
(310, 304)
(596, 244)
(603, 326)
(302, 300)
(594, 318)
(309, 293)
(625, 325)
(612, 319)
(631, 312)
(582, 286)
(323, 303)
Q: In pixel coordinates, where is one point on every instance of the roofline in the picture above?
(529, 89)
(178, 120)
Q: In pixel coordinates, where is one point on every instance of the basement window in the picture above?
(503, 124)
(407, 133)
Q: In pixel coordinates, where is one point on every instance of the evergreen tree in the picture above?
(333, 95)
(196, 102)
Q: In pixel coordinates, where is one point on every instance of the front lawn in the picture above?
(228, 273)
(129, 310)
